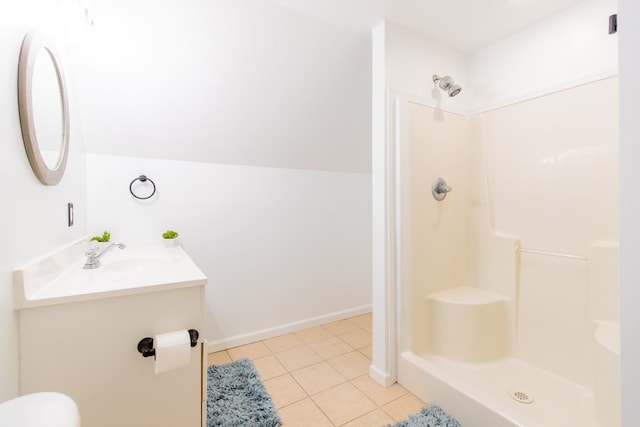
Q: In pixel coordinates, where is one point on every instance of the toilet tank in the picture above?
(40, 409)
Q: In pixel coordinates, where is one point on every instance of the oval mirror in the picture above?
(43, 107)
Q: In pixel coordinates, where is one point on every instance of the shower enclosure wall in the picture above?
(508, 288)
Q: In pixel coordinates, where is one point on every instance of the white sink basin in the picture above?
(139, 263)
(59, 278)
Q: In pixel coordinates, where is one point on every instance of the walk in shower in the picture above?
(508, 290)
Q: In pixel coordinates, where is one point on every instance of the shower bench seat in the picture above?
(468, 324)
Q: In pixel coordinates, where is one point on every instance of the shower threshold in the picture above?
(504, 393)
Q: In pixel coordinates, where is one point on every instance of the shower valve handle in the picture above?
(443, 188)
(439, 189)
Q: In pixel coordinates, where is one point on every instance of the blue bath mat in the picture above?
(429, 416)
(237, 397)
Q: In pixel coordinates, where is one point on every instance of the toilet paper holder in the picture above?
(145, 345)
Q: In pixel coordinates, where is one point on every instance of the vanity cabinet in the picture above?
(87, 348)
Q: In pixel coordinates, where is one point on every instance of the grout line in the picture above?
(332, 334)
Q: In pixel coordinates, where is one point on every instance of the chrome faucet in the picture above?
(94, 255)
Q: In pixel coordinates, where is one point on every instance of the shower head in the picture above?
(446, 83)
(454, 90)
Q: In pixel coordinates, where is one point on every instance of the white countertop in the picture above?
(59, 278)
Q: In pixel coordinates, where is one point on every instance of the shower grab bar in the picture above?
(551, 253)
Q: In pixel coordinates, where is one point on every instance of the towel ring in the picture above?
(142, 178)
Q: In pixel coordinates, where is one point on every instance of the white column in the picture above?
(383, 367)
(629, 39)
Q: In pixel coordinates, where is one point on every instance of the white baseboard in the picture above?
(235, 341)
(381, 377)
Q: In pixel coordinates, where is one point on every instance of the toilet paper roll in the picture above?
(173, 351)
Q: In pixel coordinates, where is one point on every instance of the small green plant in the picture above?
(106, 236)
(169, 234)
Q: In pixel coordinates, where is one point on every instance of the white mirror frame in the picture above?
(34, 41)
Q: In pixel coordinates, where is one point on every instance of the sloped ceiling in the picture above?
(465, 25)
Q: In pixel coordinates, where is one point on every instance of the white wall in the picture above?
(629, 209)
(226, 81)
(34, 217)
(571, 48)
(568, 49)
(253, 120)
(563, 51)
(281, 248)
(412, 60)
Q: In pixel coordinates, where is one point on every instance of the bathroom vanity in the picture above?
(80, 329)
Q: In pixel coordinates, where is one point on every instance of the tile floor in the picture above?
(319, 377)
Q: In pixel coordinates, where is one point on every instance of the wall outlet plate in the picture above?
(70, 214)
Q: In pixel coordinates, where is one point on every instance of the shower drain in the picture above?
(520, 396)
